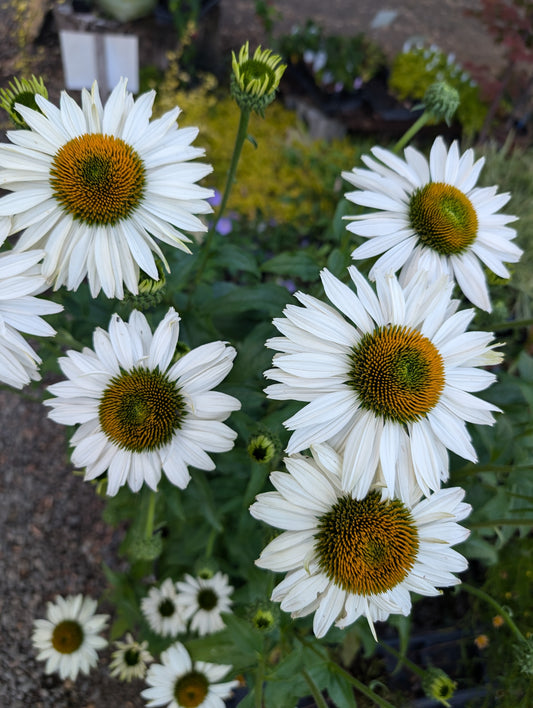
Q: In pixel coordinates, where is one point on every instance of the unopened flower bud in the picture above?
(441, 100)
(150, 294)
(255, 80)
(262, 448)
(438, 685)
(523, 652)
(21, 91)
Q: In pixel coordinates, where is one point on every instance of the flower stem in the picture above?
(315, 691)
(491, 601)
(402, 658)
(207, 245)
(512, 324)
(258, 686)
(412, 131)
(150, 515)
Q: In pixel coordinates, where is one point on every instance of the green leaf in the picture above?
(234, 259)
(244, 635)
(525, 366)
(293, 265)
(267, 298)
(337, 262)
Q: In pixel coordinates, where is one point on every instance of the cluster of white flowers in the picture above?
(196, 602)
(388, 377)
(387, 373)
(68, 640)
(93, 191)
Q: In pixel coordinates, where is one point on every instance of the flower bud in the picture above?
(441, 100)
(21, 91)
(262, 448)
(150, 294)
(255, 80)
(438, 685)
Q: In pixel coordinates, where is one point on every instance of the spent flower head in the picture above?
(21, 91)
(442, 101)
(255, 79)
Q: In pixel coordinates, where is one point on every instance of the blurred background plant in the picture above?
(336, 63)
(420, 65)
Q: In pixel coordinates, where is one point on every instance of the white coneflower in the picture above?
(177, 682)
(202, 600)
(96, 187)
(347, 557)
(391, 370)
(139, 412)
(160, 607)
(69, 638)
(21, 311)
(431, 216)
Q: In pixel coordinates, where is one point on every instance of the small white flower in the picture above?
(346, 557)
(177, 682)
(96, 187)
(389, 372)
(139, 412)
(130, 659)
(68, 639)
(431, 216)
(202, 600)
(20, 311)
(160, 607)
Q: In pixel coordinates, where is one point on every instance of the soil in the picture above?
(52, 540)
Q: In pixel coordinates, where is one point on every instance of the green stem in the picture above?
(403, 659)
(359, 685)
(479, 469)
(512, 324)
(491, 601)
(150, 515)
(412, 131)
(500, 522)
(258, 686)
(315, 691)
(207, 245)
(210, 543)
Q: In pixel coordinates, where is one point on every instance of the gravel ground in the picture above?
(52, 540)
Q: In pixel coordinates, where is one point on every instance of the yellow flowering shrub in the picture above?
(283, 175)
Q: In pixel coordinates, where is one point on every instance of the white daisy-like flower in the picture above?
(177, 682)
(395, 372)
(130, 659)
(431, 216)
(20, 311)
(139, 412)
(160, 607)
(347, 557)
(97, 186)
(203, 599)
(68, 639)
